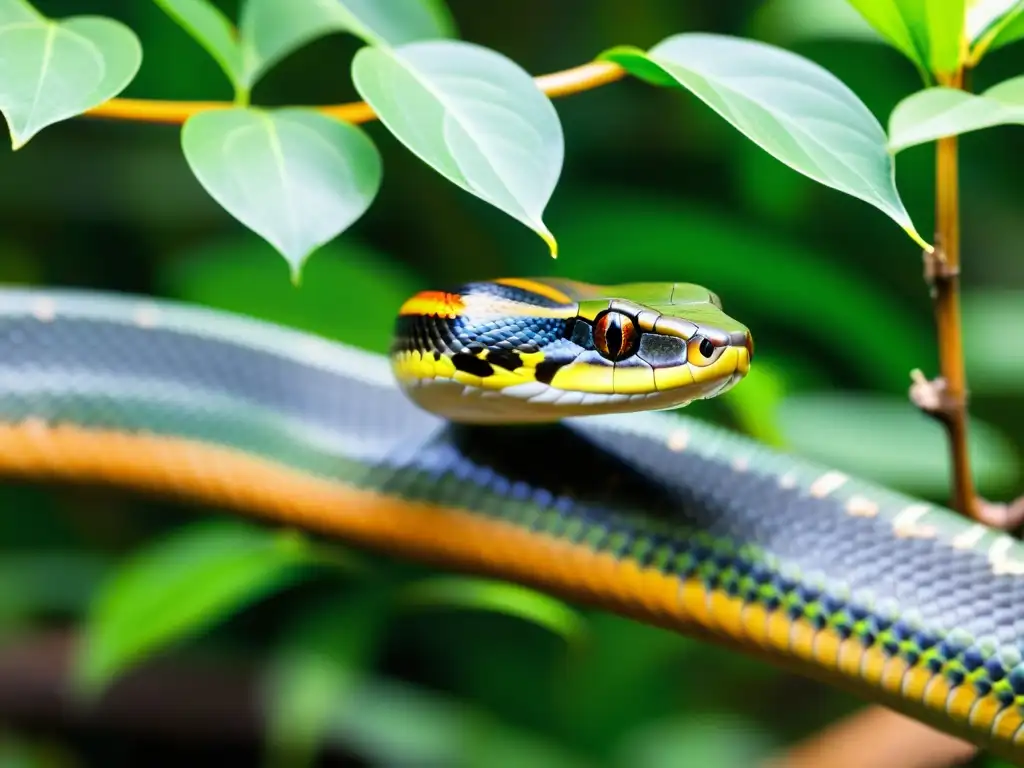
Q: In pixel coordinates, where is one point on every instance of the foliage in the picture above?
(645, 185)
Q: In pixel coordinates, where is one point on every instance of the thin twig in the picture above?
(585, 77)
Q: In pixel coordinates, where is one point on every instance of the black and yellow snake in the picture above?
(655, 516)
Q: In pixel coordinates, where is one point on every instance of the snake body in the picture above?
(655, 516)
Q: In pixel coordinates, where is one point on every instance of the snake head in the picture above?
(540, 350)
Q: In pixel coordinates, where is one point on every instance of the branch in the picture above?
(945, 398)
(565, 83)
(876, 736)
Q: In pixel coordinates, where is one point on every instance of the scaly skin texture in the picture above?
(658, 517)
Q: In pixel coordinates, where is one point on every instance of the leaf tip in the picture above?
(549, 238)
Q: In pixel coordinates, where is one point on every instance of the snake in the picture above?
(527, 430)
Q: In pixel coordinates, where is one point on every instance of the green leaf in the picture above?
(271, 29)
(474, 116)
(792, 108)
(53, 70)
(295, 177)
(945, 19)
(937, 112)
(928, 32)
(992, 24)
(239, 275)
(498, 597)
(993, 347)
(179, 587)
(212, 30)
(312, 680)
(888, 440)
(786, 21)
(902, 23)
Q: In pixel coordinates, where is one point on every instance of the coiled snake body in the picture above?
(656, 516)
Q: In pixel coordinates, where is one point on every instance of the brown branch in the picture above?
(872, 737)
(945, 398)
(565, 83)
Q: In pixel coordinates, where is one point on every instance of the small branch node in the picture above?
(932, 396)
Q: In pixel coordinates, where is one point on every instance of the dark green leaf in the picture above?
(213, 30)
(498, 597)
(177, 588)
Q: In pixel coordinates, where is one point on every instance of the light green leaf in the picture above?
(937, 112)
(272, 29)
(992, 24)
(928, 32)
(295, 177)
(311, 682)
(886, 439)
(53, 70)
(993, 347)
(212, 30)
(795, 110)
(945, 20)
(474, 116)
(498, 597)
(177, 588)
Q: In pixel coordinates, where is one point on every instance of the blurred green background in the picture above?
(655, 187)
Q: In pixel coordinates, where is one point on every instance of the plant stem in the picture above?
(944, 273)
(585, 77)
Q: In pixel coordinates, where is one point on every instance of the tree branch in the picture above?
(585, 77)
(945, 398)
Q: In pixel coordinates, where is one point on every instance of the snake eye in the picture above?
(615, 335)
(701, 351)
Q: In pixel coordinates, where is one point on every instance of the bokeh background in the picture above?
(655, 187)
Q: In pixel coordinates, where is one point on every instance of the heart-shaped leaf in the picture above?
(474, 116)
(53, 70)
(271, 29)
(938, 112)
(213, 31)
(295, 177)
(792, 108)
(177, 588)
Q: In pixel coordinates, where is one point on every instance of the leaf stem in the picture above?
(585, 77)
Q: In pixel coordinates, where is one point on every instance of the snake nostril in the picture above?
(749, 343)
